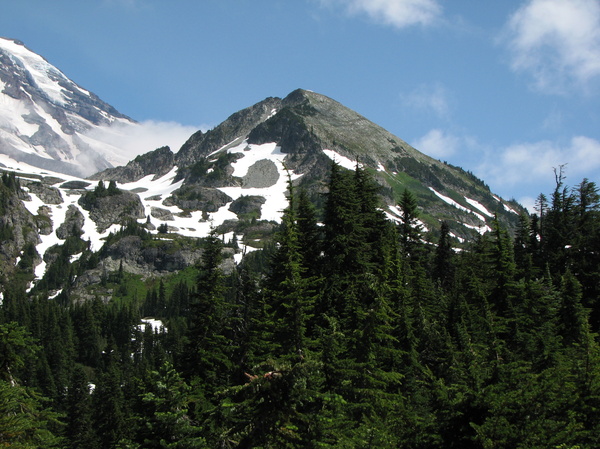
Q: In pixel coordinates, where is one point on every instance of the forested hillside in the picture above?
(350, 332)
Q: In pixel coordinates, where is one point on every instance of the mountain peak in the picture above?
(311, 129)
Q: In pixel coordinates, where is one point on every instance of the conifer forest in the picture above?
(347, 331)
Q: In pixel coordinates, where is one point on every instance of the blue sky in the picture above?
(506, 89)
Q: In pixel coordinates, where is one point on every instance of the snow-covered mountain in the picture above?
(48, 121)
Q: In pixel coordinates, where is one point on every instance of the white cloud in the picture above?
(437, 144)
(557, 42)
(429, 98)
(131, 140)
(396, 13)
(531, 165)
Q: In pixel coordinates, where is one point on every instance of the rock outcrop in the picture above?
(194, 197)
(247, 205)
(112, 209)
(72, 226)
(18, 234)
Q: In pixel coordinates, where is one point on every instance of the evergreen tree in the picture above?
(572, 317)
(443, 267)
(79, 428)
(309, 235)
(111, 417)
(206, 354)
(166, 423)
(502, 259)
(288, 291)
(409, 229)
(25, 421)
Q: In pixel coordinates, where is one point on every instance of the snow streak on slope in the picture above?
(457, 205)
(506, 208)
(192, 224)
(152, 194)
(393, 213)
(341, 160)
(157, 326)
(480, 207)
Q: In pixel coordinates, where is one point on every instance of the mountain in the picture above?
(245, 156)
(146, 216)
(48, 121)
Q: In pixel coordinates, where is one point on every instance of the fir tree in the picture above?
(409, 229)
(110, 409)
(443, 268)
(80, 429)
(166, 422)
(206, 355)
(288, 290)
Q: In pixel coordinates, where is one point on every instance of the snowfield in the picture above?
(275, 196)
(153, 192)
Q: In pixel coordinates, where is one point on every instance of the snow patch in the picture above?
(341, 160)
(58, 292)
(57, 215)
(460, 239)
(275, 196)
(506, 207)
(480, 207)
(481, 229)
(455, 204)
(156, 325)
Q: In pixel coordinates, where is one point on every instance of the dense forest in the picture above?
(350, 332)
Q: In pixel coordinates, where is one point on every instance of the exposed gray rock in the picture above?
(17, 221)
(149, 226)
(112, 209)
(247, 205)
(44, 221)
(145, 260)
(161, 214)
(194, 197)
(73, 224)
(260, 175)
(239, 124)
(49, 195)
(75, 185)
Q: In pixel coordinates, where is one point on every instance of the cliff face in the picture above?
(18, 232)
